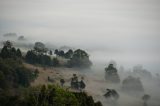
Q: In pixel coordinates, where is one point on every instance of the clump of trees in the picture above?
(80, 59)
(85, 100)
(132, 84)
(111, 94)
(39, 56)
(40, 47)
(33, 57)
(61, 53)
(36, 58)
(111, 74)
(8, 51)
(78, 85)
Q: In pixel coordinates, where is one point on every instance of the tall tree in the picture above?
(18, 53)
(111, 74)
(56, 52)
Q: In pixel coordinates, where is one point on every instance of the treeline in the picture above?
(8, 51)
(78, 58)
(42, 56)
(33, 57)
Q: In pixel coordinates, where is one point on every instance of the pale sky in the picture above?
(128, 29)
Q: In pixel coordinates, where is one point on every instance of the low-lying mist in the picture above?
(97, 85)
(126, 64)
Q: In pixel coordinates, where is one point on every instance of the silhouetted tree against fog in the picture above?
(69, 54)
(111, 94)
(61, 53)
(50, 52)
(145, 98)
(111, 74)
(40, 47)
(18, 53)
(8, 44)
(56, 52)
(36, 58)
(80, 59)
(8, 51)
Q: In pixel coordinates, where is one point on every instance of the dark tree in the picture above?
(5, 52)
(69, 54)
(10, 52)
(112, 94)
(80, 59)
(50, 52)
(31, 57)
(8, 44)
(111, 74)
(40, 47)
(56, 52)
(61, 53)
(18, 53)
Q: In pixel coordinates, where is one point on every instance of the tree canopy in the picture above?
(40, 47)
(80, 59)
(111, 74)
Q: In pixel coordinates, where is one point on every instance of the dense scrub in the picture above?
(13, 74)
(48, 96)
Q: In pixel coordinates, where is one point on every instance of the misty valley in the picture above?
(79, 52)
(41, 74)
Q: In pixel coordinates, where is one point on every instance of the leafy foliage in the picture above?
(50, 95)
